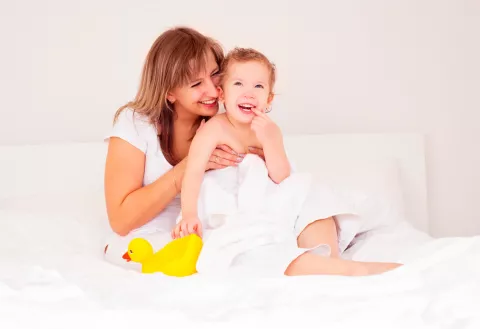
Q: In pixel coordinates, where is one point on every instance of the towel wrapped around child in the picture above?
(249, 221)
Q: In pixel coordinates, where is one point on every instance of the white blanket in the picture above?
(52, 275)
(242, 209)
(439, 287)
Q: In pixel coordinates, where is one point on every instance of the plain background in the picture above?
(343, 67)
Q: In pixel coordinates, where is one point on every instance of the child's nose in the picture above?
(249, 94)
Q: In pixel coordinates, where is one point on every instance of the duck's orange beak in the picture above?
(126, 256)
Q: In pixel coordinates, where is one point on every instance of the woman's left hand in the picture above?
(256, 150)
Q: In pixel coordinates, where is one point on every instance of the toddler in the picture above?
(246, 90)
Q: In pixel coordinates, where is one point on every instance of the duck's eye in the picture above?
(131, 251)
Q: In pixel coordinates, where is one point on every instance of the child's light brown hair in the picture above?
(242, 55)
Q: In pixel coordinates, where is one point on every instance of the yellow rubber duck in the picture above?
(178, 258)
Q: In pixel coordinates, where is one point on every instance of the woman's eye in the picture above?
(259, 86)
(195, 84)
(216, 73)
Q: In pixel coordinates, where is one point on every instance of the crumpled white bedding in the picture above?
(52, 275)
(438, 288)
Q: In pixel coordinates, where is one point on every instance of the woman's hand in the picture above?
(186, 227)
(223, 156)
(256, 150)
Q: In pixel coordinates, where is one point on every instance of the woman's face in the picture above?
(200, 96)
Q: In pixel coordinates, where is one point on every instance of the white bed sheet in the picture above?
(51, 261)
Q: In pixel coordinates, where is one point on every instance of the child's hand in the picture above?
(186, 227)
(265, 129)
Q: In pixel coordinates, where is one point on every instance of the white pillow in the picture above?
(60, 224)
(371, 185)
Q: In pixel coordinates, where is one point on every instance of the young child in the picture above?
(247, 92)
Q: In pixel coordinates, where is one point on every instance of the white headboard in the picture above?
(406, 149)
(60, 168)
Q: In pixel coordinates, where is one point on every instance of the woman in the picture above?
(149, 143)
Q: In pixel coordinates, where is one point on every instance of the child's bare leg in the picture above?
(311, 264)
(323, 231)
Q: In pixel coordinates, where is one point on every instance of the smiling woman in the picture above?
(151, 137)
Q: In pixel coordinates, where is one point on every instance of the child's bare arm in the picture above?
(203, 144)
(270, 136)
(276, 160)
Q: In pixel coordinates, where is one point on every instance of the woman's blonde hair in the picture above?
(173, 60)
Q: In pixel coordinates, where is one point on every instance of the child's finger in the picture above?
(190, 229)
(198, 229)
(176, 231)
(183, 230)
(259, 113)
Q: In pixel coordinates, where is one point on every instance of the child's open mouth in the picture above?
(246, 108)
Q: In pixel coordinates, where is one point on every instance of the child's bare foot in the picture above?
(378, 268)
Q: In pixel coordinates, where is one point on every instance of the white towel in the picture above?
(242, 210)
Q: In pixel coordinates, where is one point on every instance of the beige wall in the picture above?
(344, 66)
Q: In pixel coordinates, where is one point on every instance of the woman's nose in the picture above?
(211, 88)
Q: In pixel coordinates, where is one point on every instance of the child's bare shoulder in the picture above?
(218, 122)
(216, 128)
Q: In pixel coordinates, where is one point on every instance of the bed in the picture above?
(52, 273)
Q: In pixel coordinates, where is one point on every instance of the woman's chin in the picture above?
(208, 111)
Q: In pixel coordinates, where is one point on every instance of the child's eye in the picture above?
(237, 83)
(259, 86)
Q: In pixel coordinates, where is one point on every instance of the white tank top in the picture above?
(138, 131)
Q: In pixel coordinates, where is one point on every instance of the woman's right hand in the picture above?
(223, 156)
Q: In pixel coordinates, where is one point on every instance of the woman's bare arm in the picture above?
(129, 205)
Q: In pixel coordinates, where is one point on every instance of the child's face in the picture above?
(246, 86)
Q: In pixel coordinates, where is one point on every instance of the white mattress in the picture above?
(52, 275)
